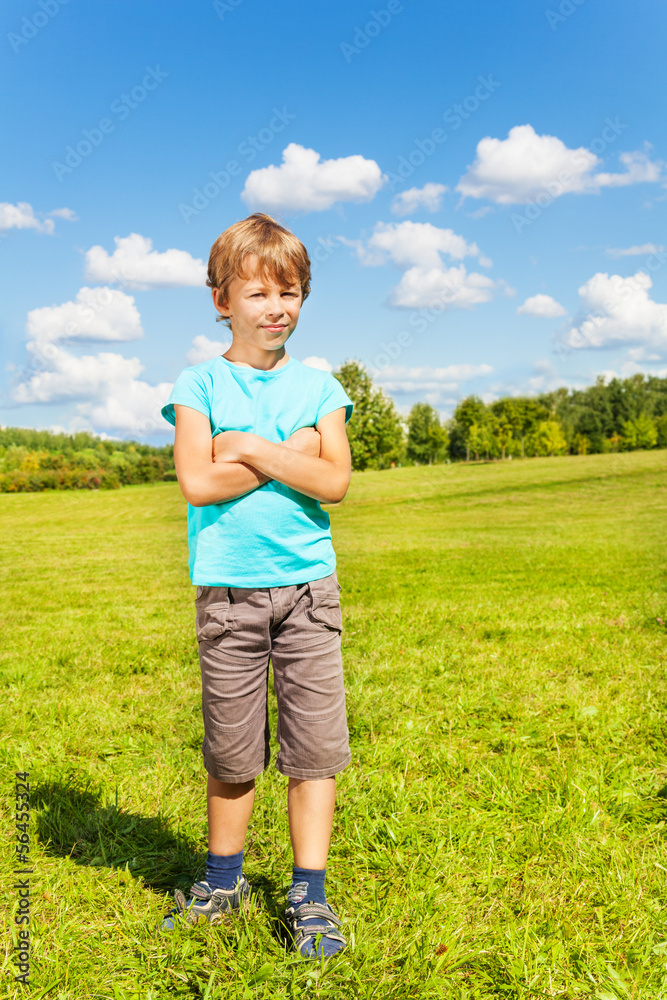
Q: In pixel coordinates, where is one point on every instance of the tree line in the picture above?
(31, 461)
(620, 415)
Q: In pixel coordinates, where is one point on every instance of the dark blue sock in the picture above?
(307, 886)
(223, 870)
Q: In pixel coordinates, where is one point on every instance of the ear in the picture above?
(220, 304)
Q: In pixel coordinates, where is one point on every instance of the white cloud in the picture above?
(70, 377)
(435, 385)
(22, 216)
(629, 368)
(305, 183)
(204, 349)
(105, 383)
(479, 213)
(136, 265)
(518, 169)
(417, 248)
(105, 387)
(102, 314)
(641, 354)
(65, 213)
(544, 378)
(428, 197)
(541, 305)
(636, 251)
(440, 287)
(133, 407)
(401, 378)
(410, 244)
(314, 362)
(616, 310)
(640, 170)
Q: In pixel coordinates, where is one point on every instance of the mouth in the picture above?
(275, 327)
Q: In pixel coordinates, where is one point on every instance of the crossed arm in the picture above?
(314, 460)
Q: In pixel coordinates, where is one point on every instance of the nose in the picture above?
(274, 306)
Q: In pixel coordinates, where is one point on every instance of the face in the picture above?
(263, 313)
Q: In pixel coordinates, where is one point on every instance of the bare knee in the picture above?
(228, 789)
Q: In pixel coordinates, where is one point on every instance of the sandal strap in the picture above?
(201, 890)
(304, 934)
(321, 921)
(181, 901)
(180, 910)
(306, 910)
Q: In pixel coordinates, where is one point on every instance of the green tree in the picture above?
(529, 412)
(427, 438)
(489, 428)
(661, 430)
(375, 431)
(547, 438)
(470, 412)
(503, 435)
(476, 440)
(506, 424)
(639, 433)
(589, 426)
(508, 421)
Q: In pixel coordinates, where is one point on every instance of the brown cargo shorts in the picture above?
(298, 628)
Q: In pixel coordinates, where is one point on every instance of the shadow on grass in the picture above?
(273, 900)
(72, 822)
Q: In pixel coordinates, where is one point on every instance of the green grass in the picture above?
(501, 830)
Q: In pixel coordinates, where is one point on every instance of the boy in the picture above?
(260, 442)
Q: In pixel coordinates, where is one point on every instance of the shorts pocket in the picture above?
(213, 621)
(325, 604)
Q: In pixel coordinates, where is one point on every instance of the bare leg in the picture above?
(310, 805)
(229, 810)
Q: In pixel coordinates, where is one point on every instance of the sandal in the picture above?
(206, 904)
(309, 921)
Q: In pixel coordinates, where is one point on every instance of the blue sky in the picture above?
(482, 187)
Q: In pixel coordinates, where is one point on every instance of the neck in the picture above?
(255, 357)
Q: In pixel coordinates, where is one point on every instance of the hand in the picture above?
(227, 446)
(306, 440)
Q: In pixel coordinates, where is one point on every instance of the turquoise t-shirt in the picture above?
(272, 536)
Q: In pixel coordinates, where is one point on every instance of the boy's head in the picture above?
(276, 253)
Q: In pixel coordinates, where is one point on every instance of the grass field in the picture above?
(501, 830)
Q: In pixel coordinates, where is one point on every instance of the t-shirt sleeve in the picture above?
(332, 398)
(190, 390)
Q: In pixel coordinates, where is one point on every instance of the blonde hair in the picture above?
(281, 255)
